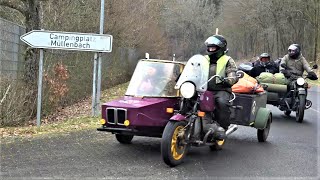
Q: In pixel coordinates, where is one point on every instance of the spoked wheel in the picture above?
(300, 108)
(287, 113)
(173, 150)
(263, 133)
(124, 139)
(218, 145)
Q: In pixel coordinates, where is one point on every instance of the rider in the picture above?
(295, 65)
(263, 64)
(223, 65)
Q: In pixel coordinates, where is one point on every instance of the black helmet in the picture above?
(264, 58)
(294, 51)
(219, 42)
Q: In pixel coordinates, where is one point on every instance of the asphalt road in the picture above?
(290, 153)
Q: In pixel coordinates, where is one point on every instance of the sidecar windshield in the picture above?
(196, 71)
(154, 79)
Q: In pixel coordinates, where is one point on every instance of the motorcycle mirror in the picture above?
(240, 74)
(315, 66)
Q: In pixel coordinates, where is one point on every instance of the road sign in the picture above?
(68, 41)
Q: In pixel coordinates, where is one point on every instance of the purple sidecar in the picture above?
(148, 104)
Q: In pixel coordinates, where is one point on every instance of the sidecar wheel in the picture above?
(218, 145)
(173, 150)
(124, 139)
(300, 109)
(263, 133)
(287, 113)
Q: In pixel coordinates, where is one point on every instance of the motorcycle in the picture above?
(188, 127)
(293, 100)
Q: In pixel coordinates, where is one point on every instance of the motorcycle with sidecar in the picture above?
(148, 103)
(187, 126)
(288, 100)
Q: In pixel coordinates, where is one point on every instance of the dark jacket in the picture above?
(259, 67)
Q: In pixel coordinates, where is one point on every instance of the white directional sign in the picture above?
(68, 41)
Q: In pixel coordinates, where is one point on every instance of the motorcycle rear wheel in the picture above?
(173, 150)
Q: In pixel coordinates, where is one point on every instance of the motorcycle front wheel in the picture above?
(300, 108)
(173, 150)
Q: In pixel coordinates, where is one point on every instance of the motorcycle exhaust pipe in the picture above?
(206, 136)
(232, 129)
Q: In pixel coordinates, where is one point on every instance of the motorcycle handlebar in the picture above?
(239, 74)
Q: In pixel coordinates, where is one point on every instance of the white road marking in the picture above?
(315, 110)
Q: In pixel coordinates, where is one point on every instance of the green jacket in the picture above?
(295, 66)
(227, 68)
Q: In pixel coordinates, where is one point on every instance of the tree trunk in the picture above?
(32, 23)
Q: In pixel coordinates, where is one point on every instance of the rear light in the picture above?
(201, 114)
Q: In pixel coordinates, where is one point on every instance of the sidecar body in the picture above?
(148, 103)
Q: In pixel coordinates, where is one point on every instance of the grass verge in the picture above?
(65, 126)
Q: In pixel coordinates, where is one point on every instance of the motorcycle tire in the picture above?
(301, 108)
(172, 150)
(262, 134)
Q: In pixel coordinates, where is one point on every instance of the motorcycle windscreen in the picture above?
(154, 79)
(195, 71)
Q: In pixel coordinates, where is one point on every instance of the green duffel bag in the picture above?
(277, 78)
(280, 79)
(265, 77)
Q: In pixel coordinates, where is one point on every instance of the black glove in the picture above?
(256, 71)
(225, 82)
(312, 75)
(286, 73)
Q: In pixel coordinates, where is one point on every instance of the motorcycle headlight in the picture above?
(187, 90)
(300, 81)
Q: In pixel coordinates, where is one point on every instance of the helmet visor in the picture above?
(213, 41)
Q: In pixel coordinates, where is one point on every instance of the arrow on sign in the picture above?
(68, 41)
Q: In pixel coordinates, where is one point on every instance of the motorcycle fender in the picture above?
(262, 118)
(178, 117)
(301, 91)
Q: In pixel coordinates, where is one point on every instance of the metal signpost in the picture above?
(68, 41)
(97, 71)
